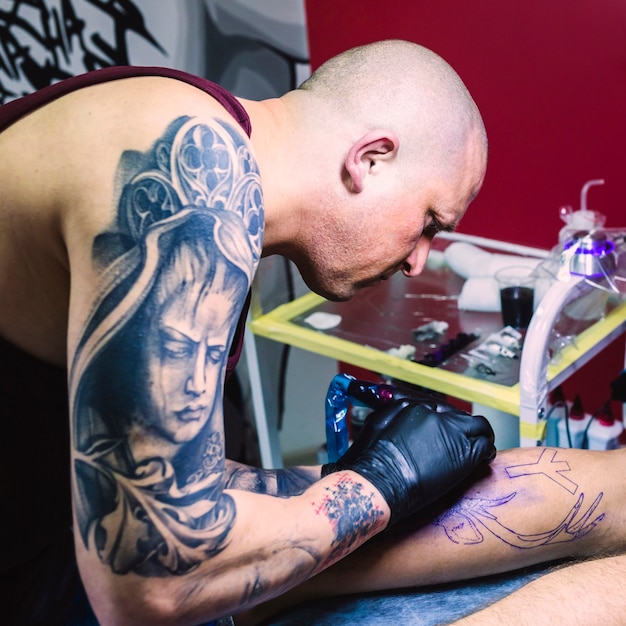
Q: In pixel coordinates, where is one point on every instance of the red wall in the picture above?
(550, 79)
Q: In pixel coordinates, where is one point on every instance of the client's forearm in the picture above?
(533, 505)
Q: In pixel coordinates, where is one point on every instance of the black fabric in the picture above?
(41, 591)
(35, 534)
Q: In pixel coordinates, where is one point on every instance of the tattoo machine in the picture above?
(343, 391)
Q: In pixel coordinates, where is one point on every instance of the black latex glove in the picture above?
(436, 401)
(414, 455)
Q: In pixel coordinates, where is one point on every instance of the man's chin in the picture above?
(334, 294)
(341, 291)
(340, 297)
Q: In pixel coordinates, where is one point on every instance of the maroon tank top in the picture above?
(12, 111)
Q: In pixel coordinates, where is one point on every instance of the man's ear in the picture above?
(373, 147)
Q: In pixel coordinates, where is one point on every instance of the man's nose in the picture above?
(414, 263)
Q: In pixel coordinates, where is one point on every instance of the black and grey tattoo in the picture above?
(352, 515)
(147, 376)
(282, 483)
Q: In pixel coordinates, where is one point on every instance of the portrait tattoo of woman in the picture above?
(148, 373)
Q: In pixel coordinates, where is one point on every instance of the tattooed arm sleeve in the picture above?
(282, 483)
(161, 524)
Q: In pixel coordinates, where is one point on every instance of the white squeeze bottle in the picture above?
(605, 430)
(576, 423)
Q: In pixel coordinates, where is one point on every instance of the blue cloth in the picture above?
(437, 605)
(427, 606)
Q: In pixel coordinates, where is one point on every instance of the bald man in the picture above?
(136, 204)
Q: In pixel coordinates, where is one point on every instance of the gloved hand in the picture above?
(436, 401)
(414, 455)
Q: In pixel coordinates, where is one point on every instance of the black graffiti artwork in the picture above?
(41, 39)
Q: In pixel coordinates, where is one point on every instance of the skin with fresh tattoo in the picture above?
(466, 521)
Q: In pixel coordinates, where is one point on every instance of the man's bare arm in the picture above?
(162, 261)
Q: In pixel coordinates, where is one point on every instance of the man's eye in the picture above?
(431, 230)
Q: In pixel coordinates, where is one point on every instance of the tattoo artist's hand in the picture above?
(414, 455)
(436, 401)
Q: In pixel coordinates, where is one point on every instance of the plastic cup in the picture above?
(517, 295)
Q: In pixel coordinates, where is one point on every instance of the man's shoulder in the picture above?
(67, 168)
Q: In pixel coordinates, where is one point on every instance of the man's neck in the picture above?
(277, 150)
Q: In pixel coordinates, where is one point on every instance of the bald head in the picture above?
(405, 87)
(384, 147)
